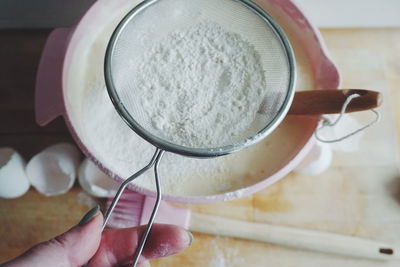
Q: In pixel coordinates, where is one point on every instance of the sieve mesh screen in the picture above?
(159, 19)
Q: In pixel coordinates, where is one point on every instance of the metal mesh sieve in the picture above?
(153, 20)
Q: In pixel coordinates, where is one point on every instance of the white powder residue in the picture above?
(224, 256)
(199, 87)
(86, 199)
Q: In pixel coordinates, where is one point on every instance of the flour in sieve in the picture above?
(199, 87)
(123, 152)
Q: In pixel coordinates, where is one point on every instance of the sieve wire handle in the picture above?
(153, 162)
(159, 153)
(121, 189)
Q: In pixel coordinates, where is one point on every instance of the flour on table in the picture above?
(85, 199)
(198, 87)
(224, 256)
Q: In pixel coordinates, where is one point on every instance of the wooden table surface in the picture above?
(33, 218)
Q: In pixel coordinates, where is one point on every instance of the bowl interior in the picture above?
(183, 179)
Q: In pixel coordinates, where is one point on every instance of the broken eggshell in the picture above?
(96, 182)
(13, 180)
(53, 171)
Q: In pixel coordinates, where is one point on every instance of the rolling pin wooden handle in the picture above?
(293, 237)
(315, 102)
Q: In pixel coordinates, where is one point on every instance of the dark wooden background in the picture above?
(20, 52)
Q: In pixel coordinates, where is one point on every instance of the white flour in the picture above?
(123, 152)
(199, 87)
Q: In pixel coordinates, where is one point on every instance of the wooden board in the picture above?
(359, 195)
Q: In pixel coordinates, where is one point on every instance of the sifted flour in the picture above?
(199, 87)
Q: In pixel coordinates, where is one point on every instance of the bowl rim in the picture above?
(326, 65)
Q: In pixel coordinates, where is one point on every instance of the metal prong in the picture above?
(126, 182)
(153, 213)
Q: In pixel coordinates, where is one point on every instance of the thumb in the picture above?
(66, 249)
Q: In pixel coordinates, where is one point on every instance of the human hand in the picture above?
(114, 247)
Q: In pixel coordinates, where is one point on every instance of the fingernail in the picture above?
(191, 238)
(89, 215)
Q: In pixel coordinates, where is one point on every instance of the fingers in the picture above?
(79, 244)
(73, 248)
(119, 245)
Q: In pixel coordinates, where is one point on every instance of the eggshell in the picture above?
(13, 180)
(96, 182)
(53, 171)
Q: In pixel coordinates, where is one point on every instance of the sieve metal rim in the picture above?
(200, 152)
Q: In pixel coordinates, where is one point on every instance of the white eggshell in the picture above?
(317, 161)
(53, 171)
(13, 180)
(96, 182)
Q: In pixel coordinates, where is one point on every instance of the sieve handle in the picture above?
(315, 102)
(49, 102)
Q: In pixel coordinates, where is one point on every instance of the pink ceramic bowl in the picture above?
(63, 46)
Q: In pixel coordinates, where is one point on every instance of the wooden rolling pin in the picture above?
(294, 237)
(135, 209)
(316, 102)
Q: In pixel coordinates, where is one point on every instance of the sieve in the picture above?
(152, 20)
